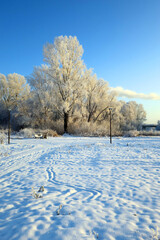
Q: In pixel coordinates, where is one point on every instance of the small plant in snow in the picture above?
(95, 234)
(58, 210)
(35, 194)
(156, 235)
(41, 189)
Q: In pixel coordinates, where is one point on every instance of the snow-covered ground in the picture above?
(92, 189)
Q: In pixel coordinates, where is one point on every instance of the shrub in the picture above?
(87, 129)
(27, 133)
(150, 133)
(3, 137)
(50, 133)
(132, 133)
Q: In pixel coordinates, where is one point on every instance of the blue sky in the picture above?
(120, 38)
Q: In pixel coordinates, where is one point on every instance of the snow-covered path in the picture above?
(106, 191)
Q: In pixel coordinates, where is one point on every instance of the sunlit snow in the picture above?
(92, 189)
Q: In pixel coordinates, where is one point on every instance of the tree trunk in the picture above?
(9, 126)
(66, 116)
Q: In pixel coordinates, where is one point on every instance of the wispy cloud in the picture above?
(131, 94)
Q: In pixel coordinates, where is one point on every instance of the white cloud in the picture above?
(131, 94)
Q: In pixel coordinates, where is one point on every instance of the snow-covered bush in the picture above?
(93, 129)
(27, 133)
(150, 133)
(133, 133)
(3, 137)
(47, 132)
(87, 129)
(51, 133)
(30, 132)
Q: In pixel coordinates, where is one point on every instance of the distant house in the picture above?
(158, 126)
(150, 127)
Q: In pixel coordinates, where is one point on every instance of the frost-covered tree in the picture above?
(66, 70)
(43, 97)
(98, 98)
(63, 89)
(133, 115)
(13, 91)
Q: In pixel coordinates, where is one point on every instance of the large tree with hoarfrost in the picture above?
(13, 91)
(132, 115)
(66, 71)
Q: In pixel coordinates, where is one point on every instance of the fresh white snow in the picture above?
(92, 189)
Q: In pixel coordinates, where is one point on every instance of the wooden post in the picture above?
(110, 113)
(9, 126)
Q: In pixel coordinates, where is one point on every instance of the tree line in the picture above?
(62, 94)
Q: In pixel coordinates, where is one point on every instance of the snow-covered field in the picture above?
(92, 189)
